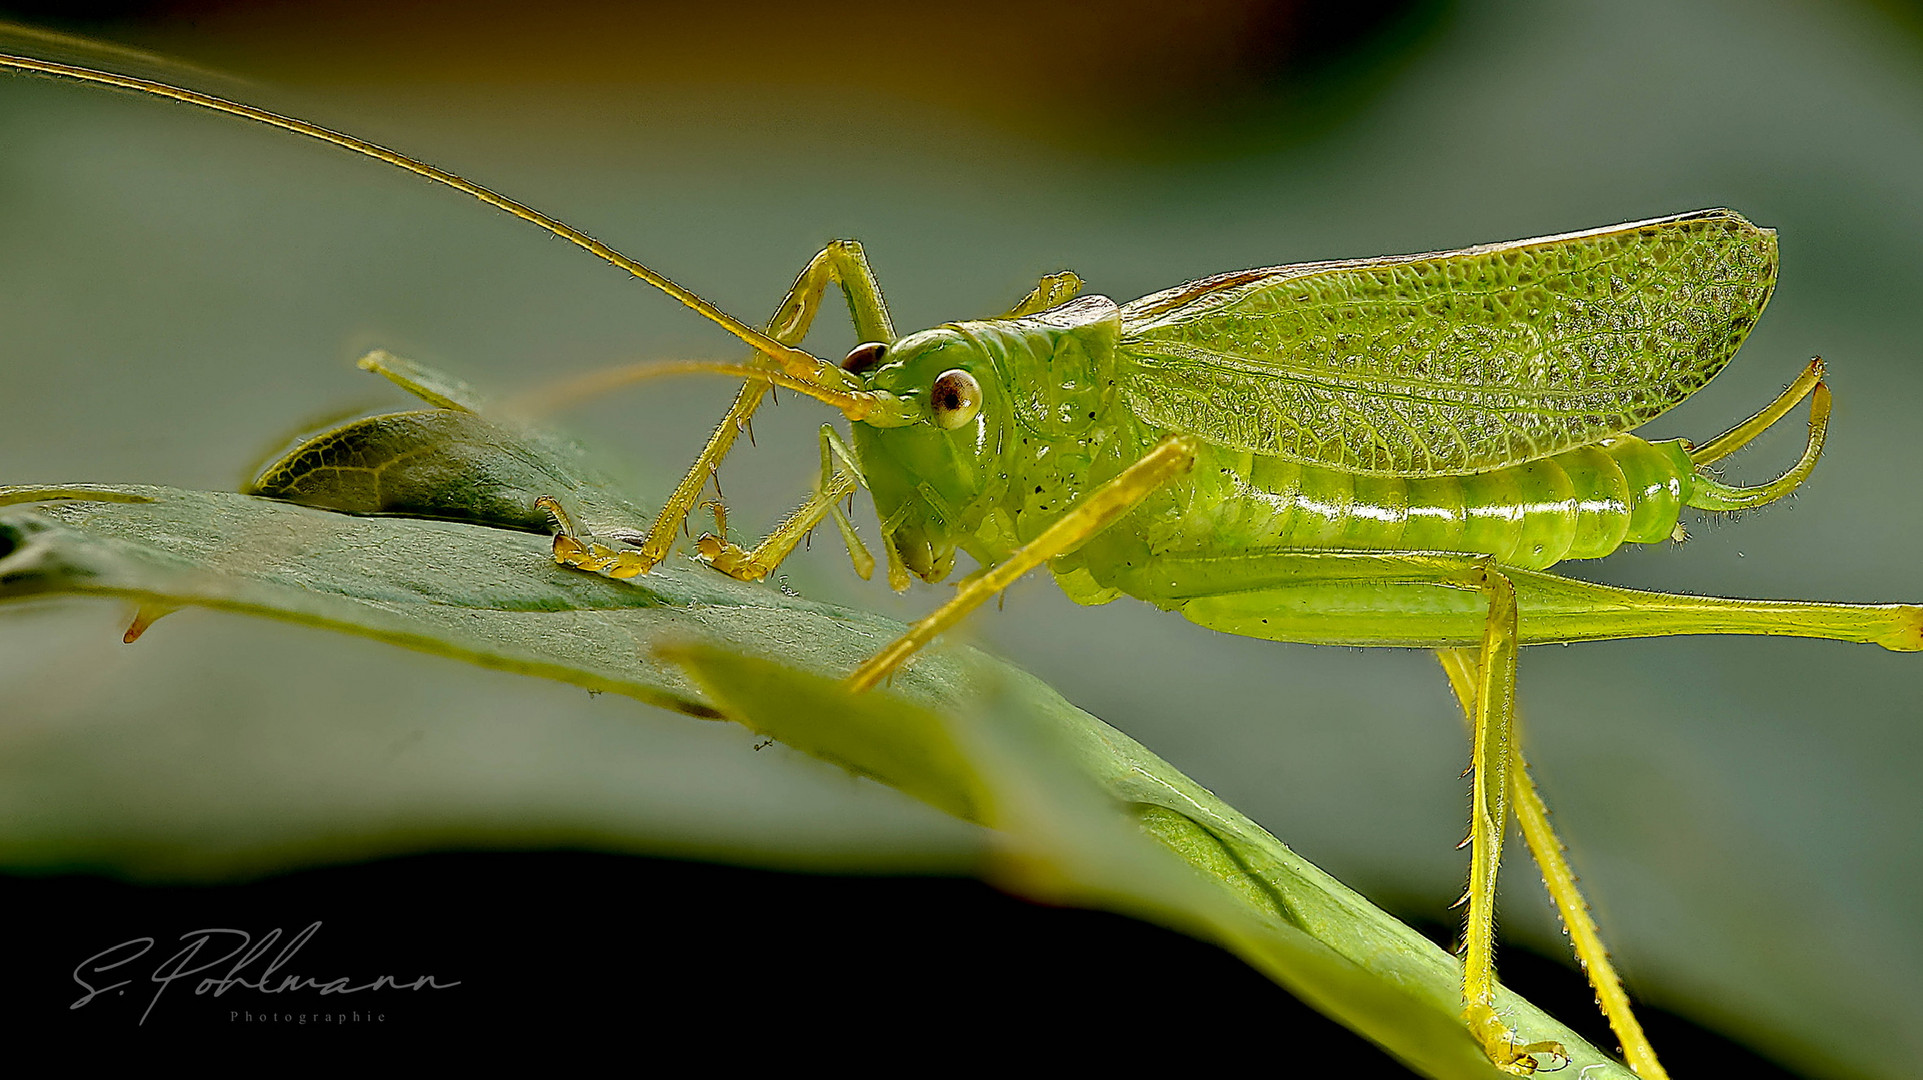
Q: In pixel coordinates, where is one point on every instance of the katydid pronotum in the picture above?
(1386, 451)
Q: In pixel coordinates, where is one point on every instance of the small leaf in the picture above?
(441, 463)
(450, 463)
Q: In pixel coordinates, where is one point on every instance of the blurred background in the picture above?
(180, 293)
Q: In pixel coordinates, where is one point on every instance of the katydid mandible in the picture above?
(1386, 451)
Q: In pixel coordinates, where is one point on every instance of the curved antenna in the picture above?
(795, 361)
(855, 405)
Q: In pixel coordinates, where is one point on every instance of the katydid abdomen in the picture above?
(1579, 504)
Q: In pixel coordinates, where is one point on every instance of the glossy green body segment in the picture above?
(1579, 504)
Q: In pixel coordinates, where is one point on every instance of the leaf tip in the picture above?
(145, 616)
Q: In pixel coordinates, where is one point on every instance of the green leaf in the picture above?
(1076, 799)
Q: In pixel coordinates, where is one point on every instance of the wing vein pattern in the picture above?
(1451, 362)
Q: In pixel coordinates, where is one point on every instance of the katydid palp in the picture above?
(1383, 452)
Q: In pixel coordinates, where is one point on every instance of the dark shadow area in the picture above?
(602, 949)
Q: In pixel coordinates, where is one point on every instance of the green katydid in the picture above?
(1384, 451)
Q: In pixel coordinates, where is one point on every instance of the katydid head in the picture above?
(934, 475)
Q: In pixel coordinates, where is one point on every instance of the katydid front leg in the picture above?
(840, 263)
(840, 477)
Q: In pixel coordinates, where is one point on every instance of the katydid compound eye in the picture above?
(955, 398)
(864, 356)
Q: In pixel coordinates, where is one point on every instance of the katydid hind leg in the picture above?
(1358, 598)
(1492, 735)
(1372, 598)
(1532, 814)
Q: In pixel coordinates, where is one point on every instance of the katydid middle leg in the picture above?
(1479, 577)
